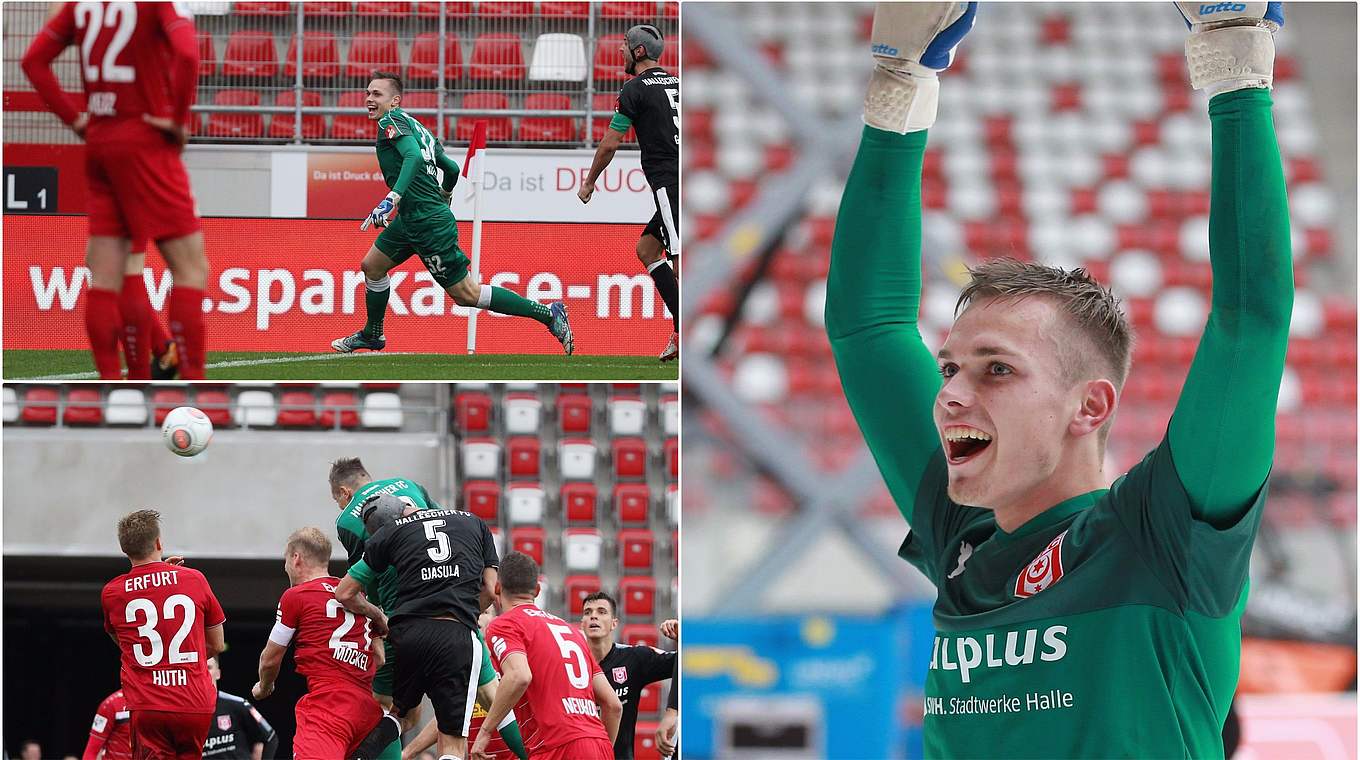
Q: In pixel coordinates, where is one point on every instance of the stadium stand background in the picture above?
(582, 476)
(1067, 134)
(538, 71)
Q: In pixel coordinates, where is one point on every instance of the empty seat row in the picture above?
(481, 458)
(357, 126)
(627, 11)
(526, 503)
(496, 57)
(522, 413)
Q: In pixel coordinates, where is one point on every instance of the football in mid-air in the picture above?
(186, 431)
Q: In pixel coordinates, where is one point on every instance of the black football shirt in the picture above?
(439, 555)
(651, 103)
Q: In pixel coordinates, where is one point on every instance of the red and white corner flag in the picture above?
(475, 154)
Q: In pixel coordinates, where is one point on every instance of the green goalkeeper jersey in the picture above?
(410, 157)
(1107, 625)
(349, 526)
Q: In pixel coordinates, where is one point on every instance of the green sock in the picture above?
(376, 293)
(508, 302)
(510, 735)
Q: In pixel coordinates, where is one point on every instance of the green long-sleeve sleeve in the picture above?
(873, 300)
(411, 163)
(449, 167)
(1223, 430)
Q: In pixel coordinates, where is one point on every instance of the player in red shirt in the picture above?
(566, 708)
(110, 733)
(336, 652)
(139, 65)
(166, 621)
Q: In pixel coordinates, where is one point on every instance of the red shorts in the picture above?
(332, 722)
(139, 190)
(161, 735)
(585, 748)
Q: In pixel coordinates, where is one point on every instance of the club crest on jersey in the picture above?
(391, 132)
(620, 675)
(224, 722)
(1044, 571)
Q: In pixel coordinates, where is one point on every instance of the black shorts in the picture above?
(665, 223)
(441, 658)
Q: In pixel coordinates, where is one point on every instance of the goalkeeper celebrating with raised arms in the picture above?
(1073, 618)
(409, 156)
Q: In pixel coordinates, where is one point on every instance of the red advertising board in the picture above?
(295, 285)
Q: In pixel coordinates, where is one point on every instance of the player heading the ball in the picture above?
(416, 219)
(166, 621)
(1074, 618)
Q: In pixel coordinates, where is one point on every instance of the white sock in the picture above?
(484, 297)
(377, 285)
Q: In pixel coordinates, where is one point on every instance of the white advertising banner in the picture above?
(523, 185)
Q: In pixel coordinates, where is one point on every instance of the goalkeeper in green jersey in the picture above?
(351, 486)
(410, 158)
(1074, 617)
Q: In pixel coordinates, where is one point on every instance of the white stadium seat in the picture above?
(581, 550)
(381, 410)
(522, 415)
(558, 58)
(125, 406)
(256, 409)
(481, 460)
(525, 505)
(627, 416)
(11, 404)
(576, 459)
(670, 415)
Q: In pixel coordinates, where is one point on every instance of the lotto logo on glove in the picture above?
(1205, 10)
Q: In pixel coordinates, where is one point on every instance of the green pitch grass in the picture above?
(229, 365)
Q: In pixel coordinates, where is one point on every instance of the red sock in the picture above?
(103, 324)
(186, 325)
(137, 316)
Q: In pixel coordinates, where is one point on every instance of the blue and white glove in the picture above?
(911, 43)
(1231, 45)
(379, 215)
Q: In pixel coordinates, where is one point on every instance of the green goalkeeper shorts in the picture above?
(434, 239)
(383, 679)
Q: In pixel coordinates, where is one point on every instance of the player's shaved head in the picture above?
(311, 544)
(348, 472)
(518, 574)
(138, 533)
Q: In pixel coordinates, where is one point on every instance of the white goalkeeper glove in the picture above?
(382, 212)
(1231, 45)
(911, 43)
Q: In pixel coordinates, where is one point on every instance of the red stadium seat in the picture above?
(632, 502)
(383, 9)
(372, 50)
(297, 409)
(578, 502)
(341, 405)
(497, 127)
(630, 458)
(497, 57)
(207, 56)
(629, 11)
(649, 702)
(237, 124)
(250, 53)
(320, 57)
(574, 412)
(505, 9)
(644, 739)
(451, 10)
(326, 9)
(670, 8)
(423, 99)
(262, 9)
(637, 597)
(352, 126)
(578, 588)
(217, 405)
(472, 411)
(165, 399)
(83, 407)
(639, 634)
(424, 66)
(525, 457)
(608, 60)
(673, 458)
(670, 59)
(635, 550)
(552, 128)
(529, 540)
(551, 9)
(482, 498)
(313, 124)
(602, 104)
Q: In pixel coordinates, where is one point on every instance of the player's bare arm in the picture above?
(515, 680)
(271, 659)
(604, 154)
(487, 597)
(215, 639)
(350, 594)
(670, 629)
(665, 731)
(611, 709)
